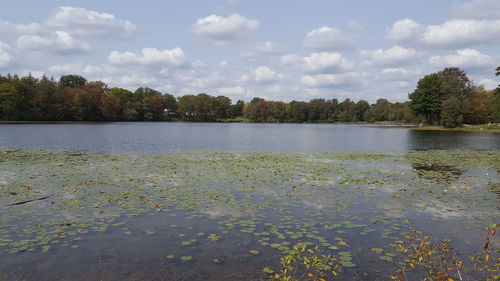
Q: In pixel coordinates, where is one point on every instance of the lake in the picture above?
(168, 137)
(213, 201)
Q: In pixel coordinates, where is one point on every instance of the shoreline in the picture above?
(492, 128)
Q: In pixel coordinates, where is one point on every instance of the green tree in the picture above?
(72, 81)
(360, 109)
(452, 112)
(427, 98)
(347, 111)
(297, 111)
(237, 109)
(378, 111)
(317, 110)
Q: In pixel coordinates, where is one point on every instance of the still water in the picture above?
(168, 137)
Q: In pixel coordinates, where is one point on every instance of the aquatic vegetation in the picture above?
(351, 205)
(424, 259)
(303, 263)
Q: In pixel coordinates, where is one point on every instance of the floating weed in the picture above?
(274, 199)
(186, 258)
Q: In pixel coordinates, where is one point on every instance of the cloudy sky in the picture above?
(278, 50)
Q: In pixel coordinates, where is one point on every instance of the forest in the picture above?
(447, 98)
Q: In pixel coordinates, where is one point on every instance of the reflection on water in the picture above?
(167, 137)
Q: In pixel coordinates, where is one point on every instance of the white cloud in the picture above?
(132, 81)
(231, 91)
(395, 55)
(477, 9)
(489, 83)
(7, 55)
(450, 34)
(331, 80)
(325, 63)
(149, 57)
(63, 69)
(329, 39)
(57, 42)
(11, 30)
(86, 23)
(264, 74)
(270, 48)
(404, 30)
(262, 51)
(399, 73)
(225, 29)
(290, 59)
(466, 58)
(462, 33)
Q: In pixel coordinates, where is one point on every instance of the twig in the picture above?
(28, 201)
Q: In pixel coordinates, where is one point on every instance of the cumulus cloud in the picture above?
(404, 31)
(149, 57)
(466, 58)
(462, 32)
(12, 30)
(325, 63)
(477, 9)
(225, 29)
(329, 39)
(290, 59)
(57, 42)
(395, 55)
(450, 34)
(331, 80)
(7, 55)
(264, 74)
(86, 23)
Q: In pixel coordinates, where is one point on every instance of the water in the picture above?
(167, 137)
(144, 195)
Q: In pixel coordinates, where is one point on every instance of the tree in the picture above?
(347, 111)
(222, 108)
(426, 100)
(454, 81)
(378, 111)
(170, 104)
(453, 112)
(478, 106)
(72, 81)
(360, 109)
(297, 111)
(237, 109)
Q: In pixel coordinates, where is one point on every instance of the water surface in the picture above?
(148, 137)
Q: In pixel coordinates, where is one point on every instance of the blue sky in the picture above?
(278, 50)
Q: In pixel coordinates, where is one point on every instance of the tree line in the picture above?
(448, 97)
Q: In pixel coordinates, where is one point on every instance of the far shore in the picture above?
(490, 128)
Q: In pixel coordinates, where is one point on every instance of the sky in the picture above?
(273, 49)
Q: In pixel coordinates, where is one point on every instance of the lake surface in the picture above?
(211, 202)
(168, 137)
